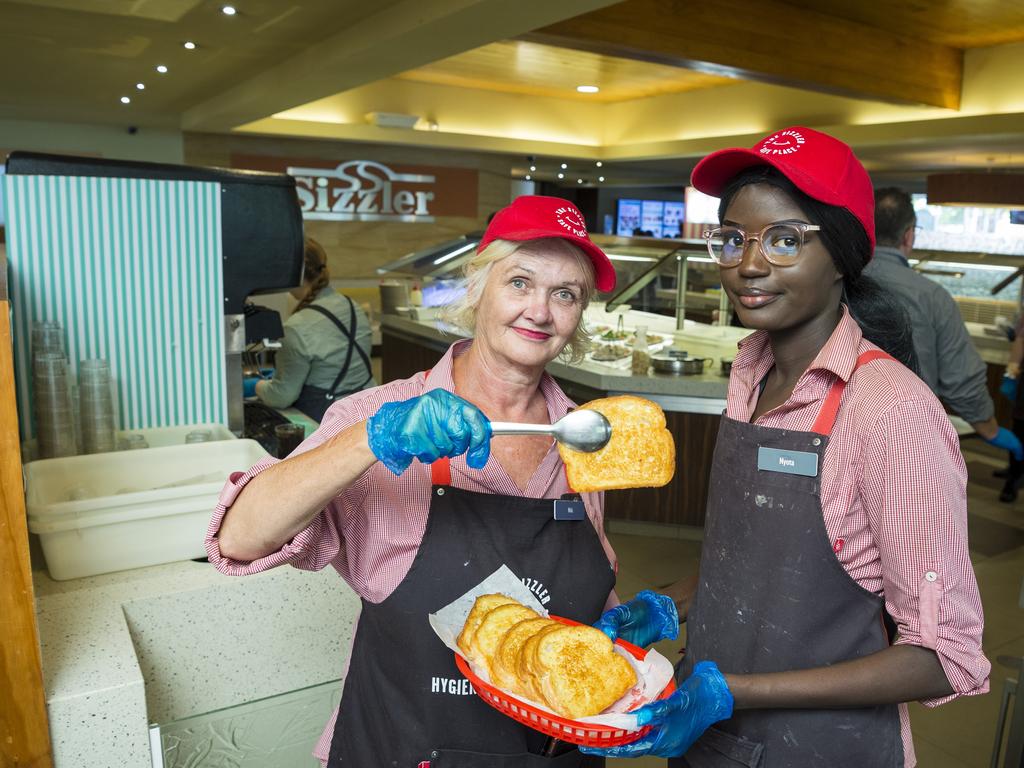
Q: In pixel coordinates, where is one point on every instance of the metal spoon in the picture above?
(582, 430)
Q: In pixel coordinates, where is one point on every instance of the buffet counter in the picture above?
(693, 404)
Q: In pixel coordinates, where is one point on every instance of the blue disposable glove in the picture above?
(701, 701)
(249, 385)
(647, 618)
(1008, 388)
(267, 373)
(1005, 439)
(427, 427)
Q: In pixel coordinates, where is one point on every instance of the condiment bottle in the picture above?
(641, 360)
(416, 296)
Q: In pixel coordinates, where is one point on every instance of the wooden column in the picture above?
(24, 732)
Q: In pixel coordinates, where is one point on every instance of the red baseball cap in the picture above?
(818, 164)
(532, 217)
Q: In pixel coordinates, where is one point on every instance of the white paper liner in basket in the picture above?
(653, 672)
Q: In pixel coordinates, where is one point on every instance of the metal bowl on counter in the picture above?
(678, 363)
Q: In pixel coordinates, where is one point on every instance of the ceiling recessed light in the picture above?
(161, 69)
(533, 168)
(579, 181)
(600, 178)
(189, 45)
(528, 177)
(141, 86)
(598, 163)
(587, 89)
(228, 10)
(561, 175)
(125, 100)
(564, 166)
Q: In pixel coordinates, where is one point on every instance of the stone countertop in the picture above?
(703, 393)
(154, 645)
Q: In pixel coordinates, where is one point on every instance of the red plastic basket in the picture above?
(573, 731)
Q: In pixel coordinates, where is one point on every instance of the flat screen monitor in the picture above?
(650, 218)
(652, 214)
(627, 217)
(672, 223)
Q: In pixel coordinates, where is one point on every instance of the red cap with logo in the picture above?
(533, 217)
(818, 164)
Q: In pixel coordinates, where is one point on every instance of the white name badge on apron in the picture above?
(787, 462)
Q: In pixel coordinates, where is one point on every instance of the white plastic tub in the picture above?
(114, 511)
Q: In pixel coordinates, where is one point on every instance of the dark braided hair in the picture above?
(882, 320)
(314, 272)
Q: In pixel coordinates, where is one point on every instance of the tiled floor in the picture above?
(957, 735)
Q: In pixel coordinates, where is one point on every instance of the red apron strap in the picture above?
(830, 408)
(441, 472)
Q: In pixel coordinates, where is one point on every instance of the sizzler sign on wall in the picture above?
(362, 190)
(366, 190)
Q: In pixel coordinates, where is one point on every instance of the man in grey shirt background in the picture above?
(947, 360)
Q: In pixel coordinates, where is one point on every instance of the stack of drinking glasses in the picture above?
(55, 420)
(47, 336)
(96, 406)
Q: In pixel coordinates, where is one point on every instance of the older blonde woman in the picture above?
(401, 491)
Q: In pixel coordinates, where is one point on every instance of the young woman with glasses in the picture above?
(835, 582)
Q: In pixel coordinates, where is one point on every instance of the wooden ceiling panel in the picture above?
(774, 42)
(517, 66)
(960, 24)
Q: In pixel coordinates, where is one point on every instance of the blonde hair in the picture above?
(462, 311)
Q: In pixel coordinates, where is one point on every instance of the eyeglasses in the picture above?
(780, 244)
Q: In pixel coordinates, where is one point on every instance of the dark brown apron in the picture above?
(404, 702)
(314, 401)
(773, 597)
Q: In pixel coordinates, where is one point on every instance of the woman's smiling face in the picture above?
(774, 298)
(531, 305)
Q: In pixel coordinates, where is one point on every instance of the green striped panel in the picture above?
(131, 269)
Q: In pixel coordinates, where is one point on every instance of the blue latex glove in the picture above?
(647, 618)
(701, 701)
(428, 427)
(249, 386)
(267, 373)
(1008, 388)
(1007, 440)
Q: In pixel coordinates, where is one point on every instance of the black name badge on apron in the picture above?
(787, 462)
(570, 509)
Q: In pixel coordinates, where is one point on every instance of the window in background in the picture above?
(971, 229)
(975, 280)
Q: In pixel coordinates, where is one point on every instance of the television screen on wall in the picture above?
(649, 218)
(627, 217)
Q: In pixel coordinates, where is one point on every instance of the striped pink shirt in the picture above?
(893, 495)
(372, 530)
